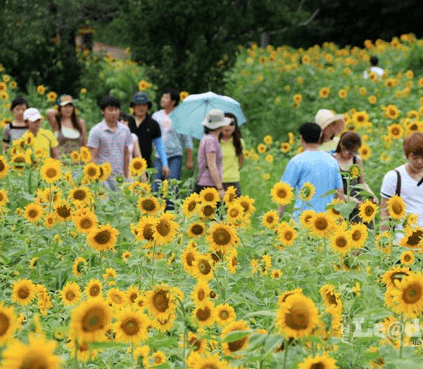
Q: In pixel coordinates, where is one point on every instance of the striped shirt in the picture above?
(110, 145)
(12, 133)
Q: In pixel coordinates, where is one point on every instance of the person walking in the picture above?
(18, 127)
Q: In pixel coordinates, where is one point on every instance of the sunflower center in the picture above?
(321, 224)
(137, 165)
(133, 296)
(209, 197)
(83, 347)
(221, 237)
(237, 345)
(356, 235)
(197, 229)
(63, 211)
(86, 223)
(203, 314)
(130, 327)
(92, 172)
(32, 213)
(117, 299)
(398, 277)
(297, 318)
(148, 232)
(163, 228)
(190, 258)
(34, 361)
(204, 267)
(282, 193)
(234, 261)
(51, 172)
(201, 295)
(318, 365)
(270, 219)
(160, 301)
(194, 341)
(2, 166)
(103, 237)
(79, 195)
(369, 210)
(70, 296)
(93, 320)
(148, 205)
(23, 292)
(94, 290)
(191, 206)
(288, 235)
(1, 197)
(415, 238)
(341, 242)
(208, 210)
(395, 131)
(223, 315)
(4, 324)
(412, 293)
(233, 213)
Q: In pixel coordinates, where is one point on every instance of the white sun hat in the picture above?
(216, 119)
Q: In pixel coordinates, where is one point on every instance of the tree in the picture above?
(189, 44)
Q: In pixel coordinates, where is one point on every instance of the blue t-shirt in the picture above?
(321, 170)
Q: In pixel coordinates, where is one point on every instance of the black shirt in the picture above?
(146, 132)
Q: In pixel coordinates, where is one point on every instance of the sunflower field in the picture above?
(98, 279)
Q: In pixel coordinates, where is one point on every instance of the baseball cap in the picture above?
(32, 114)
(64, 100)
(140, 98)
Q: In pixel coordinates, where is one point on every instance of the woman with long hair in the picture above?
(233, 154)
(69, 129)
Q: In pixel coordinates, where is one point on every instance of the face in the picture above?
(415, 162)
(125, 122)
(167, 102)
(111, 114)
(229, 130)
(332, 129)
(35, 126)
(140, 110)
(349, 152)
(66, 110)
(18, 111)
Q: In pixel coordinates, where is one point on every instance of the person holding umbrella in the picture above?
(210, 153)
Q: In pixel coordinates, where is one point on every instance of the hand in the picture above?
(221, 193)
(166, 172)
(375, 200)
(190, 164)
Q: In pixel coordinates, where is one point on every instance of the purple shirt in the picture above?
(110, 145)
(208, 143)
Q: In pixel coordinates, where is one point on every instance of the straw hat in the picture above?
(324, 117)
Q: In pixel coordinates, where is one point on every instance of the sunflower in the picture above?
(282, 193)
(307, 191)
(63, 211)
(392, 112)
(137, 167)
(116, 297)
(164, 324)
(287, 234)
(84, 220)
(395, 131)
(248, 204)
(190, 204)
(145, 231)
(33, 212)
(3, 197)
(331, 209)
(393, 276)
(396, 207)
(91, 172)
(207, 211)
(75, 156)
(164, 229)
(330, 297)
(23, 292)
(132, 293)
(359, 234)
(206, 361)
(324, 92)
(222, 237)
(188, 257)
(148, 205)
(78, 266)
(83, 350)
(341, 241)
(321, 224)
(200, 293)
(365, 152)
(225, 314)
(368, 211)
(50, 220)
(160, 302)
(91, 320)
(407, 258)
(321, 362)
(203, 267)
(372, 99)
(230, 196)
(70, 294)
(285, 147)
(305, 218)
(413, 238)
(209, 196)
(80, 196)
(196, 344)
(138, 187)
(205, 314)
(234, 213)
(7, 323)
(105, 171)
(4, 167)
(230, 348)
(196, 229)
(354, 171)
(384, 242)
(407, 296)
(261, 148)
(38, 353)
(94, 288)
(143, 85)
(270, 219)
(85, 154)
(103, 237)
(183, 95)
(51, 170)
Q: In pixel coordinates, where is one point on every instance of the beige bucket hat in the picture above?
(216, 119)
(324, 117)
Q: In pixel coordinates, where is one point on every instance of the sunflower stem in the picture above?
(285, 356)
(152, 264)
(402, 336)
(75, 358)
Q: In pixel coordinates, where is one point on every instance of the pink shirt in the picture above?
(208, 143)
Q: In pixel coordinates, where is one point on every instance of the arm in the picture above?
(137, 151)
(362, 180)
(190, 163)
(211, 164)
(51, 118)
(54, 152)
(188, 148)
(93, 152)
(126, 162)
(384, 214)
(84, 132)
(158, 143)
(240, 161)
(281, 210)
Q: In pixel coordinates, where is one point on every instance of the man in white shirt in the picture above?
(374, 61)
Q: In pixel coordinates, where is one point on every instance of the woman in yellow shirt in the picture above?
(233, 154)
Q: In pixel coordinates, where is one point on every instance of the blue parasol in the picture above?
(187, 117)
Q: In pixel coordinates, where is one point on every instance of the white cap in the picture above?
(32, 114)
(216, 119)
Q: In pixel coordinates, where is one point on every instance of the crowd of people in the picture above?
(328, 151)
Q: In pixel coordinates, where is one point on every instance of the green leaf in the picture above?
(237, 335)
